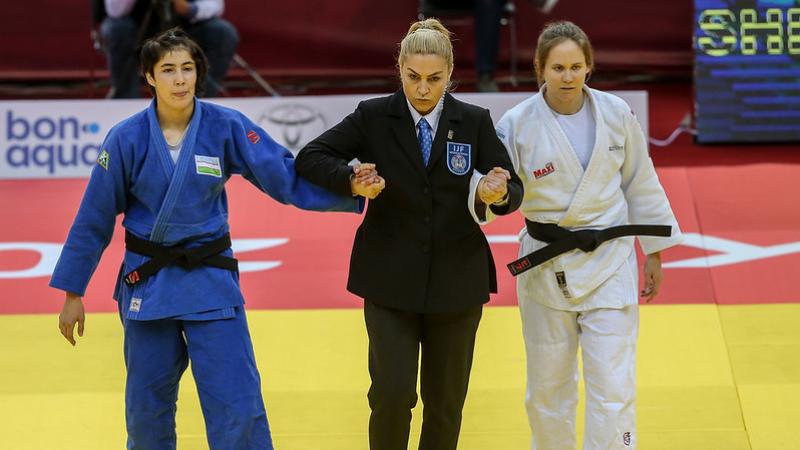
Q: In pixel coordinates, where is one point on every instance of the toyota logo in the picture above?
(293, 125)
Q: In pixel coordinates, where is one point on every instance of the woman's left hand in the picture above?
(652, 276)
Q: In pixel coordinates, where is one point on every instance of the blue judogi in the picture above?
(179, 314)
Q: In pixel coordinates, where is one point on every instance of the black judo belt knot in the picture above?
(561, 240)
(187, 258)
(588, 240)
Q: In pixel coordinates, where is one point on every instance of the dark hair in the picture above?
(156, 47)
(556, 33)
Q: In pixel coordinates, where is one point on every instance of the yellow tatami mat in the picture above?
(710, 378)
(764, 347)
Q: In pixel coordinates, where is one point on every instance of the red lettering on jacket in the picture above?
(547, 170)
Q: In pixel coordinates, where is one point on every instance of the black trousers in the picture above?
(395, 338)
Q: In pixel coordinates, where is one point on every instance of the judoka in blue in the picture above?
(181, 314)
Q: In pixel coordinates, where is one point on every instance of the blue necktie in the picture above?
(425, 139)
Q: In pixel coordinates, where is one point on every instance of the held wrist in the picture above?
(503, 200)
(483, 194)
(353, 185)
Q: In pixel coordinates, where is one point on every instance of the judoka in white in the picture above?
(165, 169)
(583, 160)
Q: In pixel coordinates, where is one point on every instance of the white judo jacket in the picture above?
(618, 187)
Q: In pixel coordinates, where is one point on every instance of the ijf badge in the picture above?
(459, 157)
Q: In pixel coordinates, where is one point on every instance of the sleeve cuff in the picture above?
(502, 202)
(480, 213)
(651, 244)
(342, 183)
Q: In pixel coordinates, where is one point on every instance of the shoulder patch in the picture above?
(102, 159)
(253, 136)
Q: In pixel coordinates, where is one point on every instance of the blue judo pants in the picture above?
(156, 354)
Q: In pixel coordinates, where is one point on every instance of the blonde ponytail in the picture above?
(427, 37)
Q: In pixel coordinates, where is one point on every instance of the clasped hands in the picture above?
(493, 187)
(365, 181)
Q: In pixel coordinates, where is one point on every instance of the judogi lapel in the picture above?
(598, 162)
(176, 173)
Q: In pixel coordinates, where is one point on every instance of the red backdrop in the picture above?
(50, 38)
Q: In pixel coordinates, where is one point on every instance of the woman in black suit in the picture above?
(419, 260)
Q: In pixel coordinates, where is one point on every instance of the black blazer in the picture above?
(418, 248)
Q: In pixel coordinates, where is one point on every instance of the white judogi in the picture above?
(593, 299)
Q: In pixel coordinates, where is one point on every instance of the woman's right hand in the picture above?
(71, 312)
(365, 181)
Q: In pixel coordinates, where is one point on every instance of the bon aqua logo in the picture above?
(50, 142)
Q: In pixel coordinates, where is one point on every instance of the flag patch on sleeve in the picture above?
(102, 159)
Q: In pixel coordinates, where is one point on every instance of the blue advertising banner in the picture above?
(747, 70)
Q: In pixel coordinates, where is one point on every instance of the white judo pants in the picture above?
(607, 338)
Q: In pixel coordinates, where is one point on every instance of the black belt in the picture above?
(188, 258)
(561, 240)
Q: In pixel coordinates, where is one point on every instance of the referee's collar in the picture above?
(432, 117)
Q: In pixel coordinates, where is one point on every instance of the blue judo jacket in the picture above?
(178, 203)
